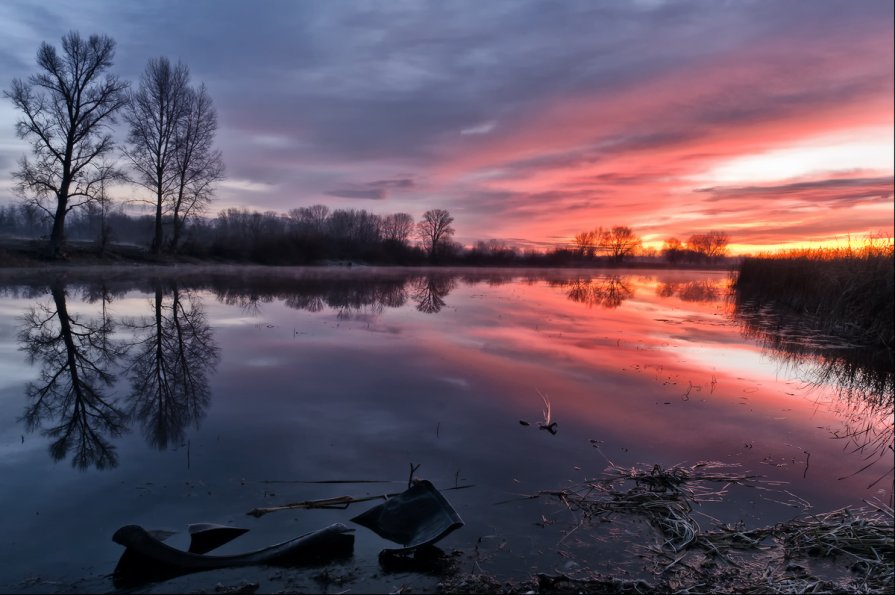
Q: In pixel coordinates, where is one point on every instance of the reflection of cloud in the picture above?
(863, 377)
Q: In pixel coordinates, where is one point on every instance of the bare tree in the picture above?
(619, 242)
(672, 244)
(586, 242)
(396, 228)
(712, 244)
(434, 231)
(154, 113)
(66, 108)
(197, 163)
(673, 249)
(103, 202)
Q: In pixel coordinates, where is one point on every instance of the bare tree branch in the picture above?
(198, 165)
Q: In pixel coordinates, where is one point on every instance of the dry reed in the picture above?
(863, 537)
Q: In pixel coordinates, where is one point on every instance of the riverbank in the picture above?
(18, 253)
(846, 292)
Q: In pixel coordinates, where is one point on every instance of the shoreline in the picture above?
(19, 254)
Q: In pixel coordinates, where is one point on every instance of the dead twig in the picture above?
(338, 502)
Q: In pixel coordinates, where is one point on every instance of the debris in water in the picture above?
(418, 517)
(146, 559)
(205, 537)
(548, 423)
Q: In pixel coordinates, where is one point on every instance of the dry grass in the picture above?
(732, 557)
(849, 291)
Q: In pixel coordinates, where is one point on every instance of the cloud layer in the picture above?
(529, 120)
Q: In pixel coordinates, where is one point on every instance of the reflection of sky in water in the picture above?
(740, 360)
(361, 393)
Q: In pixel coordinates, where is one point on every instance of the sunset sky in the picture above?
(528, 121)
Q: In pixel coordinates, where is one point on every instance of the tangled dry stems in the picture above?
(862, 537)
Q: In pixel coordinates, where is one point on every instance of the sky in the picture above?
(528, 121)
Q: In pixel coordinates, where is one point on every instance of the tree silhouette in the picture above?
(435, 231)
(586, 242)
(429, 292)
(65, 109)
(154, 113)
(173, 354)
(197, 164)
(710, 245)
(704, 290)
(76, 357)
(609, 292)
(396, 228)
(619, 242)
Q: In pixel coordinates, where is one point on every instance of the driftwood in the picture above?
(337, 502)
(147, 559)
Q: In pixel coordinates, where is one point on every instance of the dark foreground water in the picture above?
(163, 398)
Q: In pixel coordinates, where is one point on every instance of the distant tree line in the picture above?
(615, 243)
(619, 243)
(701, 247)
(67, 109)
(308, 235)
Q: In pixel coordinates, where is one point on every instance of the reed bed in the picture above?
(849, 291)
(753, 560)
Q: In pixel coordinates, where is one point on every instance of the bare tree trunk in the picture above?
(175, 232)
(57, 235)
(156, 247)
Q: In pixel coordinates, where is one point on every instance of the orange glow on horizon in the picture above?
(644, 156)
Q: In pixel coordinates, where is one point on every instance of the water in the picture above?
(205, 393)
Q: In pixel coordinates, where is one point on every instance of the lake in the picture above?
(204, 393)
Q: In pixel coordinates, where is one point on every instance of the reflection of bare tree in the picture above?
(494, 278)
(174, 353)
(705, 290)
(608, 292)
(248, 302)
(865, 379)
(76, 357)
(311, 303)
(349, 297)
(429, 292)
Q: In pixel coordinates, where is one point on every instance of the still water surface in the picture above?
(199, 395)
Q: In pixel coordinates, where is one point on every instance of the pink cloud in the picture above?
(629, 155)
